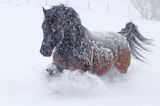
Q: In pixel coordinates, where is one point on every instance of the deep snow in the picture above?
(23, 80)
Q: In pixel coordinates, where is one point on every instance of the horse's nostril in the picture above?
(45, 53)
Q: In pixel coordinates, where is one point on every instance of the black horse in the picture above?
(77, 48)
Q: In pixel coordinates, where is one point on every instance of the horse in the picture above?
(74, 47)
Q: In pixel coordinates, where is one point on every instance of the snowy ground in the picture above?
(23, 79)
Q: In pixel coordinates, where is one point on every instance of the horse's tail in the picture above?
(136, 41)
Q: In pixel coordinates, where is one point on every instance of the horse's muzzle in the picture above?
(46, 53)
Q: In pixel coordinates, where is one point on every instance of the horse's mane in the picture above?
(71, 21)
(74, 32)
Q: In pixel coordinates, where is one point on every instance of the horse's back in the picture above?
(111, 40)
(118, 46)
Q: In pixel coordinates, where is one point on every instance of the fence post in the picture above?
(88, 5)
(46, 2)
(9, 1)
(107, 6)
(28, 1)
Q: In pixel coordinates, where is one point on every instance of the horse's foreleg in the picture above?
(53, 69)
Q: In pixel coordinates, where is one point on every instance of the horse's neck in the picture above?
(66, 47)
(73, 43)
(72, 38)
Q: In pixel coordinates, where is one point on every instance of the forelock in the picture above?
(63, 12)
(72, 15)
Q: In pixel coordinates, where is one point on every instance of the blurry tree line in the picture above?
(149, 9)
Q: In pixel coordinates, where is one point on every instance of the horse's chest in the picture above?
(72, 62)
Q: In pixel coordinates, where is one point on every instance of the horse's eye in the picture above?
(44, 26)
(51, 21)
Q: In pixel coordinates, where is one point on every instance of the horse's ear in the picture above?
(62, 5)
(44, 10)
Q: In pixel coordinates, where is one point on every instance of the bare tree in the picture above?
(149, 9)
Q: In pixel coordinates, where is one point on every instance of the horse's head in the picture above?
(51, 30)
(58, 21)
